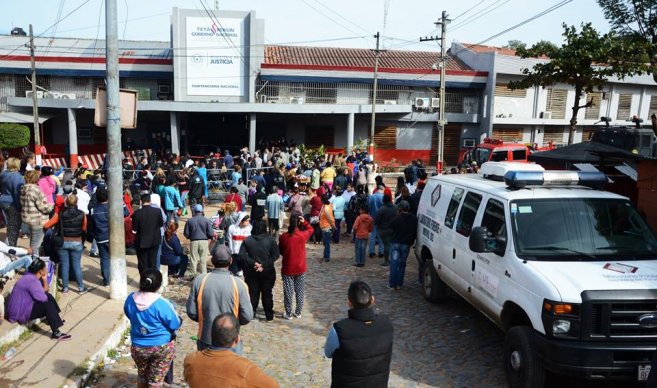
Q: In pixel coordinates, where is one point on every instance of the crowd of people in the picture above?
(342, 200)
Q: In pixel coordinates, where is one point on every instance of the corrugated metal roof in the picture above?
(67, 47)
(356, 58)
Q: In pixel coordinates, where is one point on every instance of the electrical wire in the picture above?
(522, 23)
(121, 21)
(228, 39)
(49, 28)
(127, 13)
(467, 10)
(329, 18)
(479, 15)
(342, 17)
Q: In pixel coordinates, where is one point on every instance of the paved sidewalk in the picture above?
(90, 318)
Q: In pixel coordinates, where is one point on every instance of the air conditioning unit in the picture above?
(421, 103)
(389, 102)
(263, 98)
(68, 96)
(546, 115)
(296, 100)
(39, 94)
(435, 102)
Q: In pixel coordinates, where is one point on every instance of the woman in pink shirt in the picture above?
(47, 184)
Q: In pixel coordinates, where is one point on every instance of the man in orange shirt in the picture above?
(219, 366)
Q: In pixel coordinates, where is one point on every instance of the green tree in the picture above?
(585, 61)
(635, 20)
(515, 44)
(14, 135)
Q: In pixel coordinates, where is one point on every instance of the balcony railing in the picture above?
(267, 92)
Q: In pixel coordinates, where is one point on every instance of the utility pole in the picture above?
(441, 110)
(377, 52)
(35, 105)
(118, 273)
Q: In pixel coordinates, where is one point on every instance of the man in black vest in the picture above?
(361, 345)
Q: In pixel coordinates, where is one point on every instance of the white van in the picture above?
(567, 270)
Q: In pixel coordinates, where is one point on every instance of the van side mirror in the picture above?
(481, 242)
(477, 240)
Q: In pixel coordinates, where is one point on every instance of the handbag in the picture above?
(57, 239)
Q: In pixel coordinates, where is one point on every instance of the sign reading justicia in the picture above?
(215, 50)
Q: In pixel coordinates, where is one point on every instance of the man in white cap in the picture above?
(198, 230)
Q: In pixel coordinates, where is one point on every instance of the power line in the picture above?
(330, 18)
(121, 21)
(480, 14)
(48, 29)
(342, 17)
(466, 11)
(228, 39)
(538, 15)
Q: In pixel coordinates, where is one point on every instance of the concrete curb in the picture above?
(113, 340)
(15, 333)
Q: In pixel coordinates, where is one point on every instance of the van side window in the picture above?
(453, 207)
(494, 219)
(499, 156)
(520, 154)
(468, 214)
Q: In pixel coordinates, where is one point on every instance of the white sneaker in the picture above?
(285, 316)
(297, 316)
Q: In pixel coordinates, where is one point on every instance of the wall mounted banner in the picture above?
(215, 64)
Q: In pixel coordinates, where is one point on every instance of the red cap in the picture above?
(387, 193)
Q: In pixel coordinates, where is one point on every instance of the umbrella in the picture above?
(585, 152)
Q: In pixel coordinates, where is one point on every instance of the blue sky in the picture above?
(338, 23)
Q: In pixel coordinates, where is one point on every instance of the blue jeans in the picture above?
(178, 266)
(69, 255)
(103, 253)
(361, 245)
(375, 238)
(398, 255)
(336, 232)
(21, 262)
(326, 239)
(94, 247)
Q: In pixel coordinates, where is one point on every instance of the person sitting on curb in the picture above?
(220, 365)
(360, 345)
(13, 258)
(30, 300)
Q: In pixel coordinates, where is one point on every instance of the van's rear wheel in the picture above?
(521, 362)
(434, 289)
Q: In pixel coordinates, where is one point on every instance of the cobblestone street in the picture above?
(445, 345)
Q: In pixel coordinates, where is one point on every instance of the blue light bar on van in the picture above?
(520, 179)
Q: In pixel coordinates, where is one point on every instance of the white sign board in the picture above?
(214, 56)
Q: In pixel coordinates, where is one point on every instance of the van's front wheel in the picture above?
(434, 289)
(521, 362)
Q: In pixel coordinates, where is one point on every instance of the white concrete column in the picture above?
(252, 133)
(72, 138)
(350, 132)
(175, 133)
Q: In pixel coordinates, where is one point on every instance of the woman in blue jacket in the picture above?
(172, 252)
(153, 322)
(338, 202)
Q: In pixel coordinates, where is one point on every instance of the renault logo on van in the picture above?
(649, 321)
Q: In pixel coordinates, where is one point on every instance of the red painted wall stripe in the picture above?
(371, 69)
(98, 60)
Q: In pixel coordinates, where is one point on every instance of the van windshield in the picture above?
(580, 229)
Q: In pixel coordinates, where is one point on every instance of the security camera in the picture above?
(434, 66)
